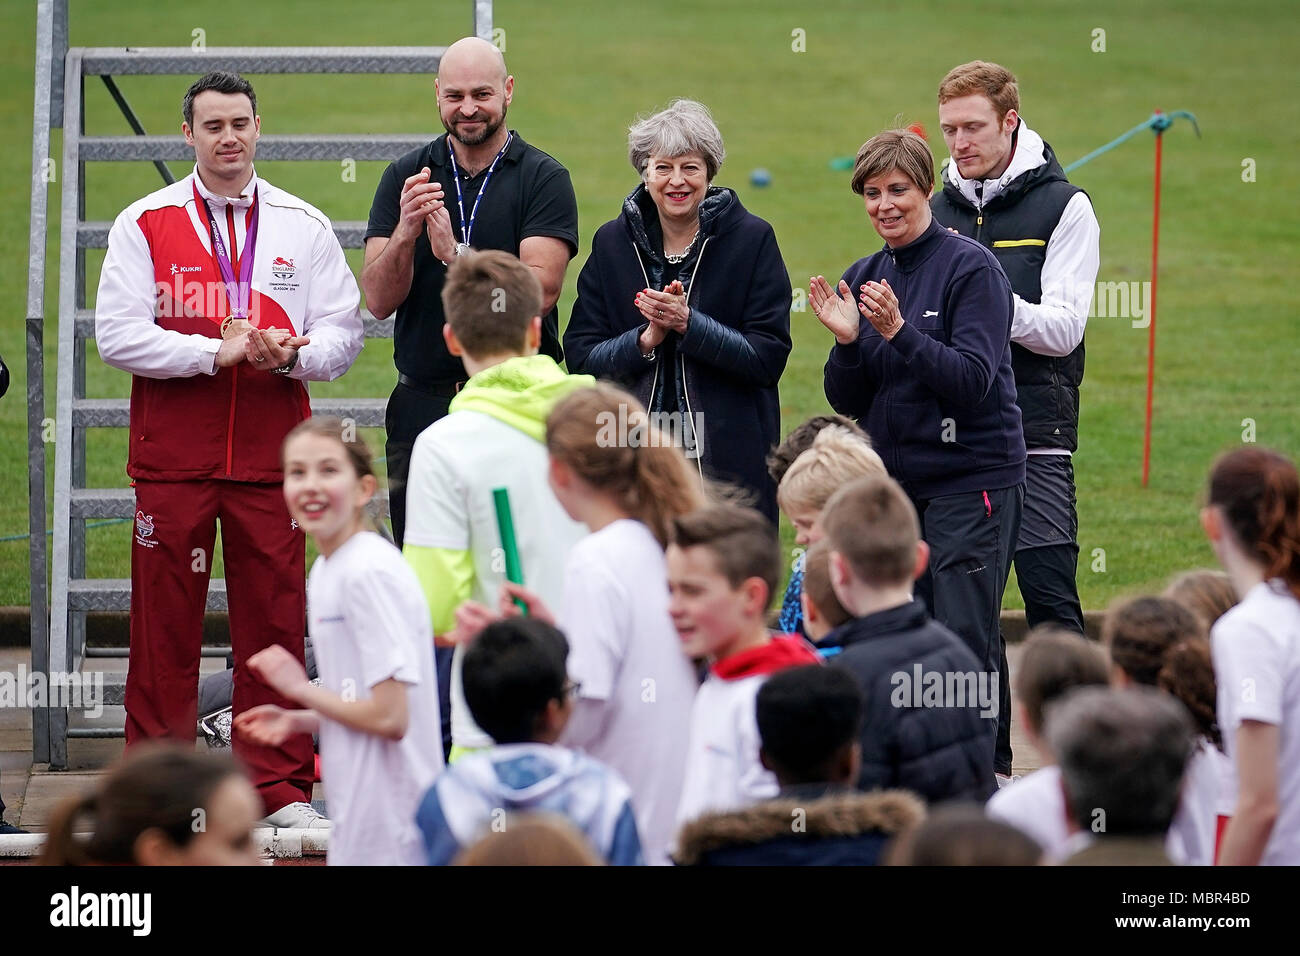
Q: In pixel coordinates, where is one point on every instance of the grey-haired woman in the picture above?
(685, 301)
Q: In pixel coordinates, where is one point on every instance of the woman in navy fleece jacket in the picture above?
(923, 361)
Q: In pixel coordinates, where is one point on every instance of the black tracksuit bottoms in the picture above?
(972, 538)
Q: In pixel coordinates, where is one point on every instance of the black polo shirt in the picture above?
(529, 194)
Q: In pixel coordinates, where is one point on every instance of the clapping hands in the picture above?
(666, 310)
(834, 308)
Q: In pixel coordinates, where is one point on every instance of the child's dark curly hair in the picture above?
(1188, 674)
(1141, 630)
(1158, 642)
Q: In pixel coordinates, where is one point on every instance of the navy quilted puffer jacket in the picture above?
(722, 374)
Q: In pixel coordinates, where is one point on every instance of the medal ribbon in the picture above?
(460, 202)
(240, 292)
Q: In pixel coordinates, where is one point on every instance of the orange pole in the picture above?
(1151, 328)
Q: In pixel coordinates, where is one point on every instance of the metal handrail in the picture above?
(35, 335)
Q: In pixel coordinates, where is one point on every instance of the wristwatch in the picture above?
(461, 249)
(288, 366)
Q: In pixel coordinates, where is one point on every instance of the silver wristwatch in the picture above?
(461, 249)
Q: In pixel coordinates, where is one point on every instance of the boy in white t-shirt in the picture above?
(723, 567)
(1122, 756)
(492, 439)
(1054, 663)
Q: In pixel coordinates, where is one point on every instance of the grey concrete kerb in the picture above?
(276, 843)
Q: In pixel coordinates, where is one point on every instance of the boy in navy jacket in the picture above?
(931, 712)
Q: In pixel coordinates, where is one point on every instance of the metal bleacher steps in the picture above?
(61, 649)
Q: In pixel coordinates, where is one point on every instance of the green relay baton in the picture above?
(506, 528)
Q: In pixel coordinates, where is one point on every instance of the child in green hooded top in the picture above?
(493, 438)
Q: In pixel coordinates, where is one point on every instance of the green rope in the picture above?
(1157, 123)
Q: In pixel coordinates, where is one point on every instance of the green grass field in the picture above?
(1228, 329)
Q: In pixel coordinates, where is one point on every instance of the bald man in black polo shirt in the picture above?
(478, 186)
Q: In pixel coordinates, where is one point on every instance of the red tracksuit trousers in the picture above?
(171, 560)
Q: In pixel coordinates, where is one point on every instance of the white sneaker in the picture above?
(297, 816)
(1004, 779)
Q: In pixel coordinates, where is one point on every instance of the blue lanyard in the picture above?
(460, 202)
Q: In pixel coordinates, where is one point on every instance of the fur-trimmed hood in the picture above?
(843, 816)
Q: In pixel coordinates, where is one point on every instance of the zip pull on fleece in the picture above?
(988, 505)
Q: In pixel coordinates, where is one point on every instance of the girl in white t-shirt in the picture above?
(613, 471)
(1252, 519)
(377, 707)
(1209, 784)
(1159, 642)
